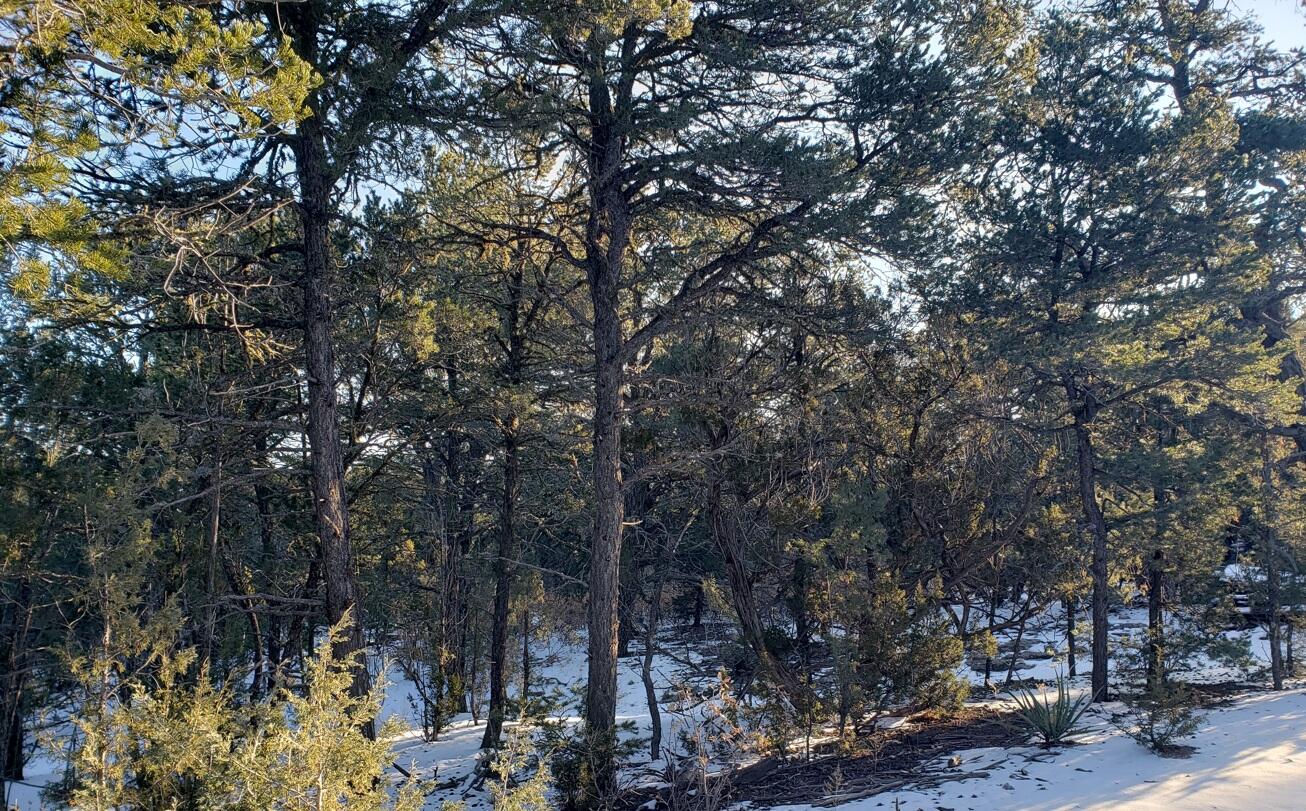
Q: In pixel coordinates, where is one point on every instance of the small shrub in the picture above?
(899, 651)
(573, 759)
(1053, 720)
(177, 744)
(1160, 717)
(522, 780)
(700, 766)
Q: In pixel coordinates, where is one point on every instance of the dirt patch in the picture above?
(879, 761)
(882, 761)
(1218, 694)
(1177, 751)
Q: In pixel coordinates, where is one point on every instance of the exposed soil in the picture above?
(876, 762)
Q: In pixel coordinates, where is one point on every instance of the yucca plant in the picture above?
(1053, 720)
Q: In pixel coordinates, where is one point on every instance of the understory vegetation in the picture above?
(344, 341)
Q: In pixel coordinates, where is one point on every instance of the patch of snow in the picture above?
(1250, 755)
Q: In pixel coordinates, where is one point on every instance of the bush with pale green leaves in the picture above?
(158, 740)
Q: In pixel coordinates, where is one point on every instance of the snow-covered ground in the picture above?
(1250, 752)
(1251, 756)
(453, 757)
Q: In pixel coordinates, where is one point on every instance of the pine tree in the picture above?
(1097, 257)
(663, 111)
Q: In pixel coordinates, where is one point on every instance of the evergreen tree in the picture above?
(776, 126)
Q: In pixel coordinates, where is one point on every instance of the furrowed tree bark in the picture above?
(326, 463)
(1097, 529)
(607, 236)
(505, 569)
(605, 548)
(316, 174)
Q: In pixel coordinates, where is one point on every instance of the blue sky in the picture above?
(1284, 20)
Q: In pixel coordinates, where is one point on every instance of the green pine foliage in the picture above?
(847, 343)
(84, 80)
(895, 651)
(1161, 716)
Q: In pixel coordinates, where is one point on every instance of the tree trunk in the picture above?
(741, 591)
(607, 238)
(646, 668)
(992, 617)
(12, 766)
(626, 627)
(268, 557)
(1097, 528)
(326, 463)
(650, 644)
(1020, 637)
(1071, 607)
(1270, 561)
(211, 575)
(299, 630)
(802, 623)
(525, 659)
(605, 548)
(13, 670)
(1289, 661)
(505, 567)
(240, 586)
(473, 659)
(1155, 620)
(451, 669)
(433, 551)
(1156, 675)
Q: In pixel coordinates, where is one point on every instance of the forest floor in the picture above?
(1249, 752)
